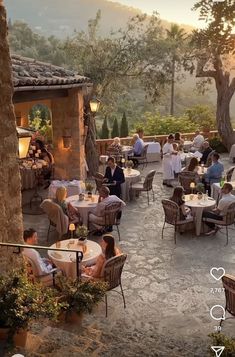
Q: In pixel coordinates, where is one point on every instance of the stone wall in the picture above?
(10, 194)
(67, 120)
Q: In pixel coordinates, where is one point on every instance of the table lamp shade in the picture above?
(72, 227)
(24, 147)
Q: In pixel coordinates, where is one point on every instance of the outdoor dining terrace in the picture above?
(168, 288)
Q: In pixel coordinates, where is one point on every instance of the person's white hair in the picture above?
(117, 140)
(136, 136)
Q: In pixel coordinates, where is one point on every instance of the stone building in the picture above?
(10, 195)
(62, 91)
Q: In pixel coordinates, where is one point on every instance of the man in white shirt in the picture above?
(197, 141)
(221, 210)
(43, 265)
(96, 217)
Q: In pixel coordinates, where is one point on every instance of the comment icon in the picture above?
(217, 312)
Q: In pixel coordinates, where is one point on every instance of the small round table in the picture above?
(66, 261)
(131, 176)
(198, 206)
(84, 207)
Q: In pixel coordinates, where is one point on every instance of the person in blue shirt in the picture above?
(138, 147)
(214, 172)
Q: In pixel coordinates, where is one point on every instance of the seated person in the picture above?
(138, 147)
(176, 160)
(193, 165)
(115, 149)
(177, 197)
(179, 140)
(96, 217)
(48, 157)
(67, 207)
(44, 266)
(197, 141)
(215, 171)
(221, 210)
(114, 177)
(206, 150)
(108, 251)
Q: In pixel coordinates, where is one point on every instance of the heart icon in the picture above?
(217, 273)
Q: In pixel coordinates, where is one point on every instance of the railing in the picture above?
(79, 254)
(102, 144)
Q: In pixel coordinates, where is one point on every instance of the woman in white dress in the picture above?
(167, 166)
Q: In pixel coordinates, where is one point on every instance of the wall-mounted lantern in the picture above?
(94, 105)
(67, 139)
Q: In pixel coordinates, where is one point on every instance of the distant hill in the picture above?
(60, 18)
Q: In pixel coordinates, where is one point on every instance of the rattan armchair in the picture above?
(229, 289)
(112, 215)
(172, 210)
(142, 160)
(185, 179)
(145, 186)
(47, 279)
(228, 219)
(229, 173)
(99, 179)
(112, 272)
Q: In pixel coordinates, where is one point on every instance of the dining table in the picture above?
(131, 176)
(197, 206)
(66, 261)
(84, 206)
(187, 144)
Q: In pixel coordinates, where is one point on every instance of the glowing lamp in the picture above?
(94, 105)
(24, 146)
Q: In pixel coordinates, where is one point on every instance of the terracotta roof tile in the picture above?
(30, 72)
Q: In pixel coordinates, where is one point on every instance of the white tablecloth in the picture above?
(153, 152)
(73, 187)
(232, 152)
(132, 177)
(66, 261)
(197, 207)
(187, 144)
(84, 207)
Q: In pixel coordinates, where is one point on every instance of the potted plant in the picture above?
(200, 190)
(89, 188)
(22, 301)
(82, 233)
(79, 297)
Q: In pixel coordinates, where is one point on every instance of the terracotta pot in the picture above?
(19, 338)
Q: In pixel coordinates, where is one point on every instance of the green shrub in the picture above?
(217, 145)
(218, 339)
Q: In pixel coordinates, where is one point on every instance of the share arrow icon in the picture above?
(218, 350)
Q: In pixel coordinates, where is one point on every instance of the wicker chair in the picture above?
(99, 178)
(145, 186)
(47, 279)
(229, 173)
(142, 160)
(185, 178)
(228, 219)
(111, 216)
(171, 210)
(209, 158)
(112, 272)
(229, 288)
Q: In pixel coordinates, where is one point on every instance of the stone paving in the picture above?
(167, 289)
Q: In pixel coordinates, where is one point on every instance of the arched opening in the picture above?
(40, 119)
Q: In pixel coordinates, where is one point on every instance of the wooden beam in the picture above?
(30, 96)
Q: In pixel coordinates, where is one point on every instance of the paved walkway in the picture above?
(167, 288)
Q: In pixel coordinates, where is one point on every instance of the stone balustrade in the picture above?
(102, 144)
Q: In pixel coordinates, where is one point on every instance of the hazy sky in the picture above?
(172, 10)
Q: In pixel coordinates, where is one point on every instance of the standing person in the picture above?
(176, 160)
(48, 157)
(197, 141)
(179, 140)
(114, 177)
(221, 210)
(168, 151)
(138, 147)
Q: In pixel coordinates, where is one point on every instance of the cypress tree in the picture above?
(124, 130)
(104, 130)
(115, 130)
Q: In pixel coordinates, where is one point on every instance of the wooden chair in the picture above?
(172, 210)
(142, 160)
(145, 186)
(229, 289)
(111, 273)
(228, 219)
(229, 173)
(99, 178)
(56, 216)
(185, 179)
(47, 279)
(112, 216)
